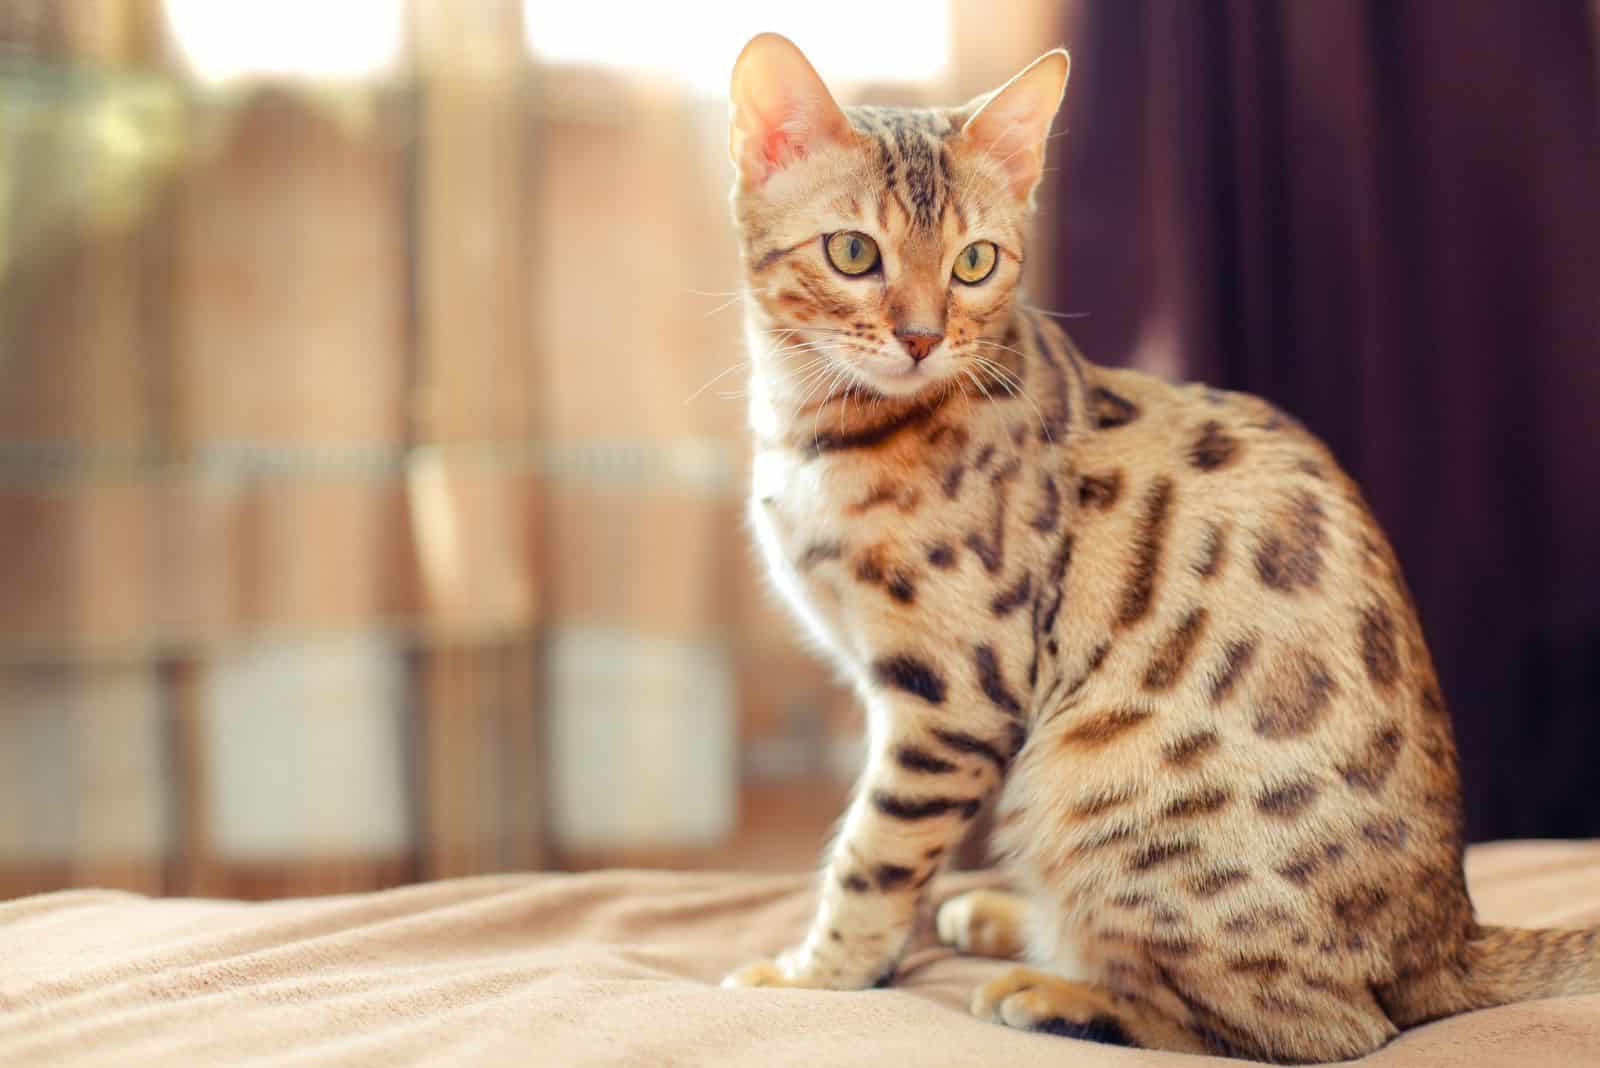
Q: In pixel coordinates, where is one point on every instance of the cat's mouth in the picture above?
(899, 375)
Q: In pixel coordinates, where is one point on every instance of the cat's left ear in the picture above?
(781, 110)
(1011, 125)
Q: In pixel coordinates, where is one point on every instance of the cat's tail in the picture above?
(1507, 964)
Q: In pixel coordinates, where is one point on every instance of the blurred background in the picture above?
(370, 482)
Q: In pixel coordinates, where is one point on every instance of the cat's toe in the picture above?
(985, 923)
(988, 998)
(1034, 1001)
(954, 920)
(761, 973)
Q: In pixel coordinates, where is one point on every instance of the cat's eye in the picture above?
(976, 262)
(851, 251)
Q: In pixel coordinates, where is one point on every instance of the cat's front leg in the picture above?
(927, 774)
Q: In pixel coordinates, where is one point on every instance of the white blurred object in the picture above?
(346, 40)
(308, 748)
(697, 42)
(642, 740)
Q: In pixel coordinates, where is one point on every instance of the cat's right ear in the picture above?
(781, 110)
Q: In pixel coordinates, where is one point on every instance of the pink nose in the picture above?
(918, 342)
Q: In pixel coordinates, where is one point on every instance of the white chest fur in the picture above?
(797, 522)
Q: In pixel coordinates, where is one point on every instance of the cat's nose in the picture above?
(918, 342)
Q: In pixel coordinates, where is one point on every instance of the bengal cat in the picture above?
(1158, 619)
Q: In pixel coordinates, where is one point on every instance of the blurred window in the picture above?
(344, 40)
(885, 41)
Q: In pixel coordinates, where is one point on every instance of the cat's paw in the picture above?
(985, 923)
(761, 973)
(794, 972)
(786, 970)
(1036, 1001)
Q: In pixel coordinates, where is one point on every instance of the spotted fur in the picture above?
(1154, 621)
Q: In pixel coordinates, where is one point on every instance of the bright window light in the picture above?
(697, 42)
(325, 40)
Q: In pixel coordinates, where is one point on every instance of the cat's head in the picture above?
(883, 245)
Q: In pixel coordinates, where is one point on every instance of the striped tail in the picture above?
(1507, 964)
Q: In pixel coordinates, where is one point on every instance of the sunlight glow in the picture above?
(329, 40)
(696, 42)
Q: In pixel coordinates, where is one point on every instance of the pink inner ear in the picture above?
(782, 148)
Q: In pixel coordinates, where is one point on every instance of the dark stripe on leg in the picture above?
(991, 681)
(922, 808)
(966, 743)
(914, 676)
(920, 760)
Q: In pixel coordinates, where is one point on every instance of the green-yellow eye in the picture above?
(976, 262)
(851, 251)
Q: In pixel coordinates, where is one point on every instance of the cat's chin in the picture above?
(900, 383)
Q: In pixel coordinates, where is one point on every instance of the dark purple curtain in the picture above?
(1385, 217)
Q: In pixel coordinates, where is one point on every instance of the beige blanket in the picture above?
(611, 968)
